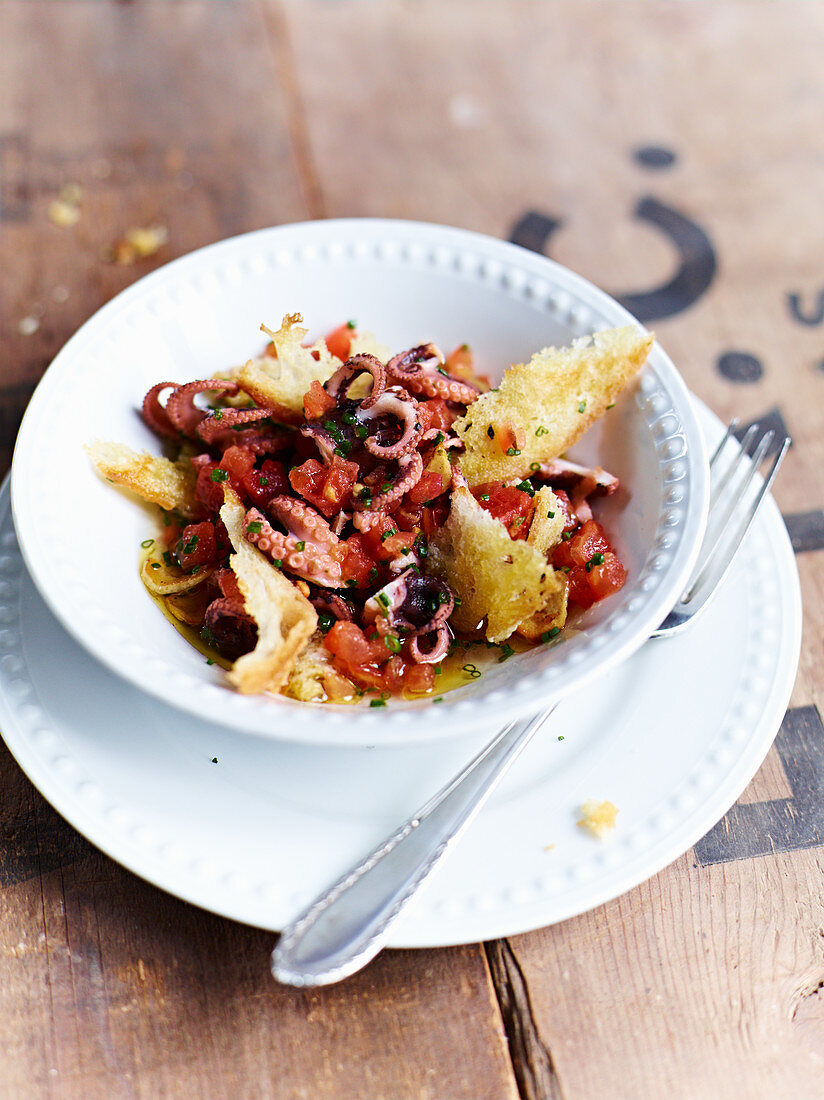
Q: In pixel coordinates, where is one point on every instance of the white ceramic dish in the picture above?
(672, 736)
(407, 282)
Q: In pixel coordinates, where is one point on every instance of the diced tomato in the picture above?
(570, 519)
(407, 516)
(327, 488)
(513, 507)
(385, 540)
(317, 402)
(339, 341)
(607, 578)
(579, 549)
(358, 564)
(433, 516)
(460, 361)
(196, 546)
(227, 581)
(348, 641)
(237, 462)
(593, 569)
(207, 491)
(267, 482)
(419, 678)
(435, 413)
(430, 486)
(509, 438)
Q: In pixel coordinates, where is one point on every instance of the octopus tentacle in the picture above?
(410, 472)
(421, 370)
(309, 549)
(222, 422)
(399, 404)
(413, 603)
(181, 410)
(338, 385)
(154, 413)
(258, 444)
(438, 650)
(325, 443)
(334, 605)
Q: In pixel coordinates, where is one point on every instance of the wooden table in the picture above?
(671, 152)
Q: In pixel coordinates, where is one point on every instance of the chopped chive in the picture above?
(351, 582)
(484, 496)
(383, 599)
(263, 480)
(349, 418)
(277, 562)
(526, 487)
(254, 528)
(512, 451)
(361, 431)
(439, 438)
(387, 485)
(388, 534)
(472, 671)
(392, 643)
(155, 565)
(377, 702)
(214, 759)
(438, 700)
(506, 651)
(147, 543)
(542, 431)
(612, 406)
(325, 621)
(581, 406)
(550, 515)
(548, 635)
(443, 372)
(300, 546)
(351, 324)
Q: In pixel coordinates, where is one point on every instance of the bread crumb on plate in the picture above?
(598, 818)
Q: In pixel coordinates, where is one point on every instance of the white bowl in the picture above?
(408, 283)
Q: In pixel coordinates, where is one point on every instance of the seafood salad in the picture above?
(338, 520)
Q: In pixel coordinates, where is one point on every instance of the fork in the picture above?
(347, 925)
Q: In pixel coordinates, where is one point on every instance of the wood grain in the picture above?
(582, 122)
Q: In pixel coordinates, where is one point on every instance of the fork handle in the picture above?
(346, 926)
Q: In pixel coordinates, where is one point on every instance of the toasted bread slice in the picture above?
(542, 407)
(499, 582)
(154, 479)
(279, 383)
(285, 618)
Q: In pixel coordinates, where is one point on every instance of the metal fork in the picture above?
(347, 925)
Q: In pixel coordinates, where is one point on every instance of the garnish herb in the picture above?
(325, 621)
(542, 431)
(392, 643)
(377, 702)
(388, 534)
(277, 562)
(512, 451)
(351, 324)
(581, 406)
(300, 546)
(472, 671)
(147, 543)
(526, 487)
(506, 652)
(254, 528)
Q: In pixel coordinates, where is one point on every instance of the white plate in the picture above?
(672, 737)
(408, 282)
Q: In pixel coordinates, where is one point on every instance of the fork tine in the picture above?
(719, 486)
(714, 565)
